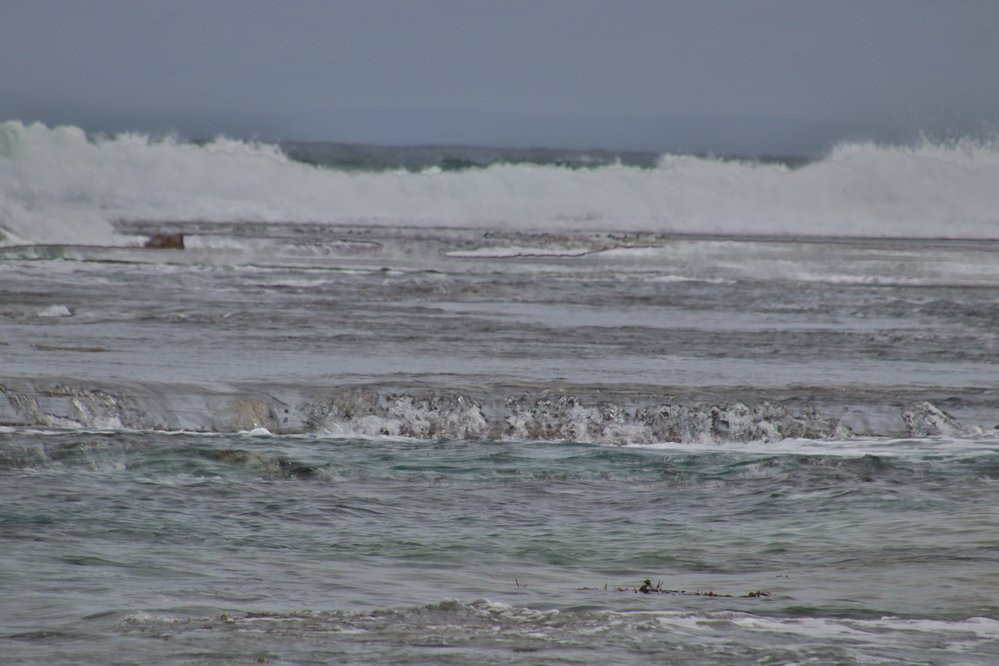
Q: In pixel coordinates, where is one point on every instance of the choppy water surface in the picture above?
(131, 547)
(460, 414)
(411, 455)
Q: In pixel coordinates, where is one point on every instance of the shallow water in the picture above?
(192, 548)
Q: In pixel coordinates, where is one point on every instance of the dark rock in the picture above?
(166, 242)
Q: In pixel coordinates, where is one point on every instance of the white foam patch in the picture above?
(828, 628)
(55, 311)
(672, 279)
(518, 251)
(150, 618)
(59, 186)
(911, 448)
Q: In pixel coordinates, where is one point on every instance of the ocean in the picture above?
(314, 403)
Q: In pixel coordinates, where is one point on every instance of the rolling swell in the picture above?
(758, 472)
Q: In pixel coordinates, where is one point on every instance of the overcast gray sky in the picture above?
(658, 74)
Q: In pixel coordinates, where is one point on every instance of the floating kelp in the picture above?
(648, 588)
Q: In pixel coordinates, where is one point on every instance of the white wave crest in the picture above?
(59, 186)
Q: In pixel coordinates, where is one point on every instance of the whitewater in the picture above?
(288, 403)
(59, 186)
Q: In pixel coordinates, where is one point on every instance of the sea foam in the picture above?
(57, 185)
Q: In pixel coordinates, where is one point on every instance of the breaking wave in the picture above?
(550, 415)
(57, 185)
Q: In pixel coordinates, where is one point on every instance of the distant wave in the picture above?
(57, 185)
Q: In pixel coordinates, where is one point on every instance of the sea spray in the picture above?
(61, 186)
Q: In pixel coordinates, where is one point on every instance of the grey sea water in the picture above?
(189, 548)
(299, 444)
(453, 405)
